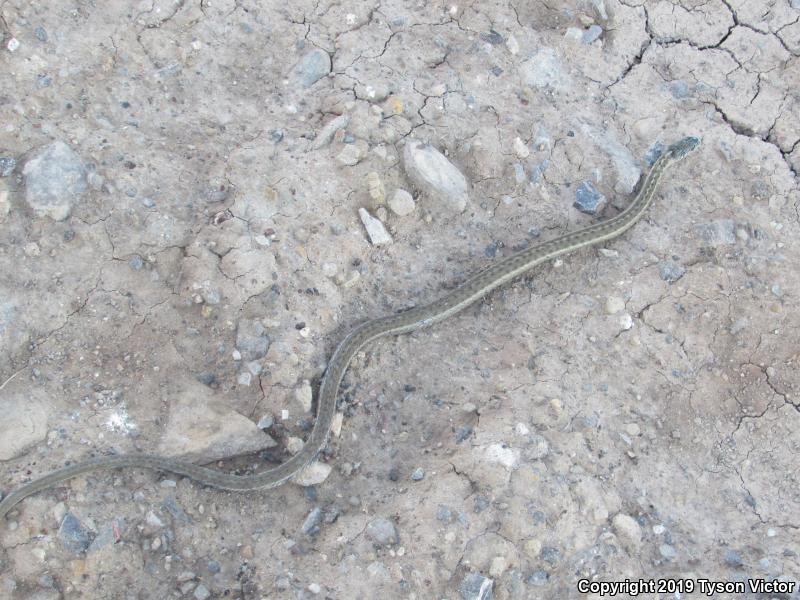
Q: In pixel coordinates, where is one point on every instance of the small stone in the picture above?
(538, 578)
(444, 513)
(591, 34)
(520, 148)
(329, 269)
(402, 203)
(533, 548)
(314, 588)
(498, 566)
(375, 186)
(7, 165)
(418, 474)
(382, 531)
(350, 154)
(667, 551)
(136, 263)
(614, 304)
(5, 203)
(377, 233)
(733, 559)
(40, 33)
(632, 429)
(678, 88)
(671, 271)
(312, 67)
(718, 233)
(327, 133)
(251, 339)
(476, 587)
(201, 592)
(13, 44)
(588, 199)
(313, 474)
(313, 521)
(73, 535)
(266, 422)
(304, 395)
(627, 529)
(244, 378)
(55, 179)
(433, 173)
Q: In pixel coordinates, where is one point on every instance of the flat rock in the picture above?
(375, 230)
(202, 430)
(24, 423)
(313, 474)
(432, 173)
(55, 180)
(312, 67)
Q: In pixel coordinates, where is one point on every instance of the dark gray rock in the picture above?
(588, 199)
(476, 587)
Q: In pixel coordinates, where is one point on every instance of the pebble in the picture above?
(633, 429)
(538, 578)
(13, 44)
(40, 33)
(311, 525)
(476, 587)
(5, 202)
(533, 547)
(382, 531)
(313, 474)
(733, 559)
(678, 88)
(498, 566)
(718, 233)
(251, 339)
(376, 189)
(520, 148)
(201, 592)
(667, 551)
(418, 474)
(402, 203)
(502, 454)
(7, 165)
(588, 199)
(73, 535)
(435, 175)
(304, 395)
(444, 513)
(314, 588)
(326, 134)
(55, 179)
(244, 378)
(377, 233)
(266, 422)
(591, 34)
(350, 154)
(627, 529)
(312, 67)
(670, 271)
(614, 304)
(329, 269)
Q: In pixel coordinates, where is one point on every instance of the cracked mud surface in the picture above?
(629, 411)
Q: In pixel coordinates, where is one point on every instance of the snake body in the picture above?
(474, 288)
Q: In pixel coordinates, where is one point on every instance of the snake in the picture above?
(473, 289)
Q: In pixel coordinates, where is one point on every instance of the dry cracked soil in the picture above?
(198, 198)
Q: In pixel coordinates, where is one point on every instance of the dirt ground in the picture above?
(181, 248)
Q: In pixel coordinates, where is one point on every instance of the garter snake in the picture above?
(465, 294)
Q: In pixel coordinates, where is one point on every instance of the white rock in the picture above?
(498, 453)
(304, 395)
(202, 430)
(402, 203)
(614, 304)
(520, 148)
(313, 474)
(627, 529)
(326, 134)
(430, 170)
(375, 230)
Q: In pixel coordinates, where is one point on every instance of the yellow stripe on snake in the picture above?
(473, 289)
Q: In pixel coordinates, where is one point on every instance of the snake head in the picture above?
(683, 147)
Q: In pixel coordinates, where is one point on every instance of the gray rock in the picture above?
(544, 70)
(444, 513)
(311, 525)
(202, 429)
(382, 531)
(538, 578)
(326, 134)
(73, 535)
(201, 592)
(401, 203)
(430, 170)
(670, 271)
(251, 339)
(627, 169)
(40, 33)
(795, 4)
(55, 179)
(627, 530)
(678, 88)
(312, 67)
(476, 587)
(733, 559)
(7, 165)
(106, 536)
(418, 474)
(667, 551)
(718, 233)
(588, 199)
(591, 34)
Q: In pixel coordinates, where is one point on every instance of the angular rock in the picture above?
(382, 531)
(430, 171)
(312, 67)
(476, 587)
(251, 339)
(377, 233)
(313, 474)
(73, 535)
(588, 199)
(55, 180)
(202, 430)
